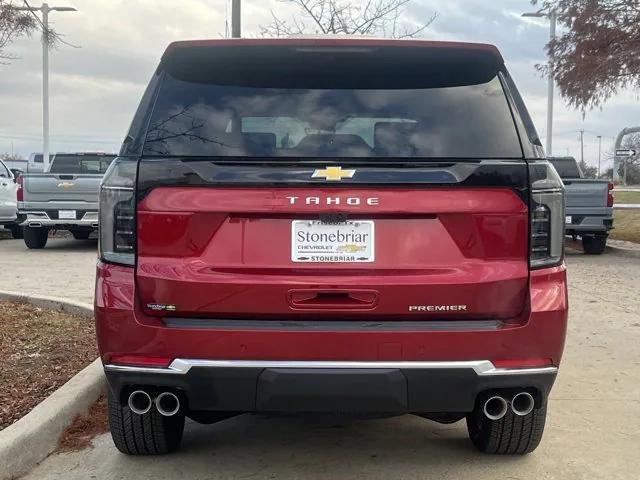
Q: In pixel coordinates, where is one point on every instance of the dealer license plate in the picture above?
(568, 219)
(344, 242)
(67, 214)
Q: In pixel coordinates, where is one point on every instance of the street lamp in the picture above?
(599, 153)
(45, 9)
(552, 16)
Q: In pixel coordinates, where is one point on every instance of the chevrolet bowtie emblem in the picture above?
(66, 184)
(333, 173)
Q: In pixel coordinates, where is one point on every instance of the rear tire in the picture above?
(148, 434)
(81, 234)
(16, 231)
(594, 244)
(511, 435)
(35, 238)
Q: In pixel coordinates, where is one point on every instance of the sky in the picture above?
(96, 88)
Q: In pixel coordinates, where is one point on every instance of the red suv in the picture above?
(354, 226)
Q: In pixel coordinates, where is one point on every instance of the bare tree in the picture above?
(10, 156)
(598, 54)
(13, 25)
(370, 17)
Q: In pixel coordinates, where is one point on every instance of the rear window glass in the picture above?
(81, 164)
(566, 167)
(298, 115)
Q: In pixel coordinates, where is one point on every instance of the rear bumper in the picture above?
(330, 366)
(88, 219)
(330, 387)
(589, 220)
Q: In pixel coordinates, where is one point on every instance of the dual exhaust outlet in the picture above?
(496, 407)
(167, 403)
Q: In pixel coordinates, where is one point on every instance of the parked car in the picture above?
(8, 201)
(359, 226)
(64, 198)
(589, 209)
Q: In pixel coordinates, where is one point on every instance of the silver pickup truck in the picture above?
(589, 205)
(64, 198)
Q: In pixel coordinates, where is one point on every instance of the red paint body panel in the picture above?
(331, 42)
(124, 330)
(226, 252)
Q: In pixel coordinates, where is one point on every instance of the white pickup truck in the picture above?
(64, 198)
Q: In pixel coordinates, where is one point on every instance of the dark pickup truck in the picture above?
(589, 205)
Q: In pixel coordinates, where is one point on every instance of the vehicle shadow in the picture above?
(260, 446)
(71, 244)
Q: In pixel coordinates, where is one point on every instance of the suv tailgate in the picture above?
(440, 251)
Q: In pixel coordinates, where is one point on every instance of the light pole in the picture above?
(45, 9)
(236, 29)
(599, 153)
(552, 16)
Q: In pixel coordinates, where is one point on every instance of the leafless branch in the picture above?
(375, 17)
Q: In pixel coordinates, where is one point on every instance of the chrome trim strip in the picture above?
(123, 189)
(482, 367)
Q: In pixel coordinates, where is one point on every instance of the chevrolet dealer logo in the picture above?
(333, 173)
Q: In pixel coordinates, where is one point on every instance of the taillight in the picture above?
(117, 213)
(547, 216)
(610, 196)
(20, 190)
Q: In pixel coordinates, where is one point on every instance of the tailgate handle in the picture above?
(333, 298)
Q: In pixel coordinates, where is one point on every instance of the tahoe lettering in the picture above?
(349, 201)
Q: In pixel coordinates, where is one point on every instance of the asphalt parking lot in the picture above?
(593, 426)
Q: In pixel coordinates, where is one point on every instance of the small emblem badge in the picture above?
(160, 307)
(333, 173)
(66, 185)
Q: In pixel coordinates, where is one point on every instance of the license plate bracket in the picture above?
(315, 241)
(67, 215)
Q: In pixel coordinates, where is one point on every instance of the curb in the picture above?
(31, 439)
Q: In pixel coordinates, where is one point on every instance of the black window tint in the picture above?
(566, 167)
(356, 102)
(81, 164)
(132, 144)
(199, 119)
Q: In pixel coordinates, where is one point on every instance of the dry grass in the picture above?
(627, 197)
(626, 225)
(84, 428)
(40, 349)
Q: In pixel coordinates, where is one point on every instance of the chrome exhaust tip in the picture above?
(522, 404)
(495, 408)
(167, 404)
(139, 402)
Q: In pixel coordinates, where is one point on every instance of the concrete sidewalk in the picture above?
(64, 268)
(592, 432)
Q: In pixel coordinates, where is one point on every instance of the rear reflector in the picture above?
(140, 361)
(20, 191)
(524, 363)
(610, 196)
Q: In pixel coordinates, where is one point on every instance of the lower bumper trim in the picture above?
(329, 387)
(480, 367)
